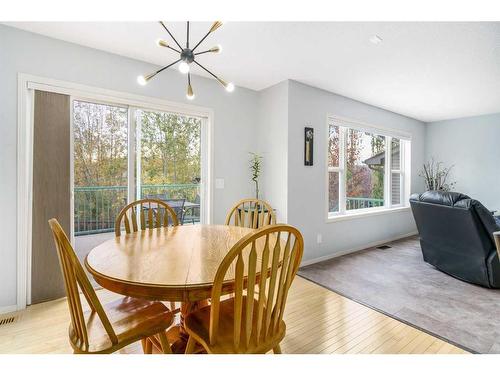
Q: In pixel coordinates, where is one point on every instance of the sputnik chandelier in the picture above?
(187, 57)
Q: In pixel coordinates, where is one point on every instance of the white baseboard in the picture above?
(7, 309)
(355, 249)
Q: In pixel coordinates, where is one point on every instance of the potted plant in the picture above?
(436, 176)
(255, 168)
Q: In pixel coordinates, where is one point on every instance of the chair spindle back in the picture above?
(153, 213)
(261, 266)
(251, 213)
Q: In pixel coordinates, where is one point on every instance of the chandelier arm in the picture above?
(207, 34)
(166, 67)
(201, 53)
(202, 39)
(174, 49)
(206, 70)
(169, 33)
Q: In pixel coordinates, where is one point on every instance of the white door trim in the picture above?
(26, 84)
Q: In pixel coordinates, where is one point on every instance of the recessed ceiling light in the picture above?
(375, 39)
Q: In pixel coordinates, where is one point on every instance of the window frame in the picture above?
(405, 160)
(400, 171)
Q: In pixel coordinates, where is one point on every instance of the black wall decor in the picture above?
(308, 146)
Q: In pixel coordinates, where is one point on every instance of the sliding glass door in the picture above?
(100, 164)
(120, 154)
(169, 161)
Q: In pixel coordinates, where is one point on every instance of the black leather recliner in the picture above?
(456, 236)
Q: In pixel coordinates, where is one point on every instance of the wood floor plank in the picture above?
(408, 348)
(316, 338)
(346, 336)
(394, 337)
(422, 347)
(366, 342)
(434, 348)
(318, 321)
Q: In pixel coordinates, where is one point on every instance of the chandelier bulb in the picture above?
(230, 87)
(184, 67)
(216, 49)
(161, 43)
(141, 80)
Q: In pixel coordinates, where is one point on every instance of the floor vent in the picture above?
(8, 320)
(383, 247)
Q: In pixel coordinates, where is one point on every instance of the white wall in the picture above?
(472, 145)
(235, 119)
(309, 106)
(272, 143)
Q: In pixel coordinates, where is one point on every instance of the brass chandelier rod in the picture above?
(206, 70)
(214, 27)
(149, 76)
(169, 33)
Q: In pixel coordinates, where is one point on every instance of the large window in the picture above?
(366, 168)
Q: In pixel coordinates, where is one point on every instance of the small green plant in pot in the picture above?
(256, 169)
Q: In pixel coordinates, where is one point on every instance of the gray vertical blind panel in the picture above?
(51, 191)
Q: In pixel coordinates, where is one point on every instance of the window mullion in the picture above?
(387, 173)
(138, 153)
(132, 152)
(402, 183)
(342, 169)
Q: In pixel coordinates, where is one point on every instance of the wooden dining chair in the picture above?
(251, 213)
(108, 328)
(259, 270)
(153, 213)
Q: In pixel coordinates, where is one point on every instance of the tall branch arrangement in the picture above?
(436, 176)
(255, 167)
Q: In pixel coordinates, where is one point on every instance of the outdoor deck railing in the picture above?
(96, 207)
(353, 203)
(357, 203)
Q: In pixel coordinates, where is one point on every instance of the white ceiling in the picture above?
(428, 71)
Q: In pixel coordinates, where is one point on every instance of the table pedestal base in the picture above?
(177, 335)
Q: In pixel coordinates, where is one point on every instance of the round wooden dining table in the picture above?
(176, 264)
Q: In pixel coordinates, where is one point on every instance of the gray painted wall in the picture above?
(270, 122)
(272, 139)
(472, 145)
(309, 106)
(23, 52)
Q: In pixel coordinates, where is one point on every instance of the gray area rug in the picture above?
(397, 282)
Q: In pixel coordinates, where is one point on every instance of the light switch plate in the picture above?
(219, 183)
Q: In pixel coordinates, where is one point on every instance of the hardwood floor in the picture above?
(318, 321)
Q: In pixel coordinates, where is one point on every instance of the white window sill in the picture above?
(332, 218)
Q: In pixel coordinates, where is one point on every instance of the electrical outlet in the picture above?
(319, 238)
(219, 183)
